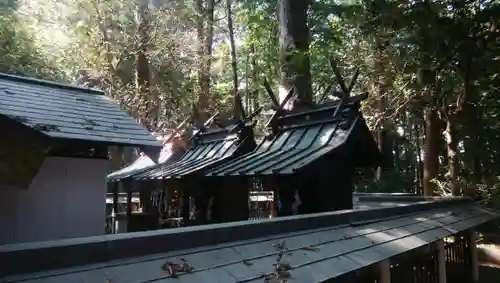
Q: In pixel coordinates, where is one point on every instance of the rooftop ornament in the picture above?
(311, 149)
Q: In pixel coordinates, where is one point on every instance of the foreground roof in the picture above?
(69, 112)
(318, 247)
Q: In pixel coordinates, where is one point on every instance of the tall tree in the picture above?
(205, 30)
(142, 70)
(294, 48)
(229, 13)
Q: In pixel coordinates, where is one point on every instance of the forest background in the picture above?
(431, 69)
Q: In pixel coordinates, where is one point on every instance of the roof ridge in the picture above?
(48, 83)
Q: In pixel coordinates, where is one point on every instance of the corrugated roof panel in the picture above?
(67, 112)
(152, 268)
(279, 145)
(241, 272)
(168, 152)
(290, 150)
(197, 158)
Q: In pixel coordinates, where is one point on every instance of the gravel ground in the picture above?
(489, 274)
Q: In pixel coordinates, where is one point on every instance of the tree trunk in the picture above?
(142, 72)
(382, 131)
(380, 142)
(255, 86)
(419, 164)
(431, 150)
(203, 78)
(233, 45)
(472, 123)
(381, 90)
(294, 48)
(452, 144)
(410, 159)
(396, 157)
(204, 102)
(427, 78)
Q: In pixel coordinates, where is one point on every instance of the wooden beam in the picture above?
(384, 268)
(472, 242)
(115, 190)
(441, 261)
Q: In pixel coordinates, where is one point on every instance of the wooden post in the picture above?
(441, 261)
(129, 202)
(185, 206)
(128, 189)
(273, 209)
(115, 189)
(472, 242)
(385, 271)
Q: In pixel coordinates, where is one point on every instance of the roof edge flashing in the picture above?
(406, 198)
(320, 108)
(48, 83)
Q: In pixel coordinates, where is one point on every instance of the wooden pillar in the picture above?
(384, 268)
(185, 206)
(472, 242)
(272, 206)
(128, 188)
(129, 202)
(441, 261)
(115, 189)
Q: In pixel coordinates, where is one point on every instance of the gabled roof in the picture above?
(212, 143)
(167, 155)
(301, 139)
(139, 164)
(208, 149)
(69, 112)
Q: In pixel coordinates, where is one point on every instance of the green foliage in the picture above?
(391, 41)
(18, 53)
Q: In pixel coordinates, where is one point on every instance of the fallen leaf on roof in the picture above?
(186, 267)
(283, 274)
(91, 122)
(309, 248)
(246, 262)
(271, 278)
(283, 266)
(174, 269)
(280, 245)
(171, 268)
